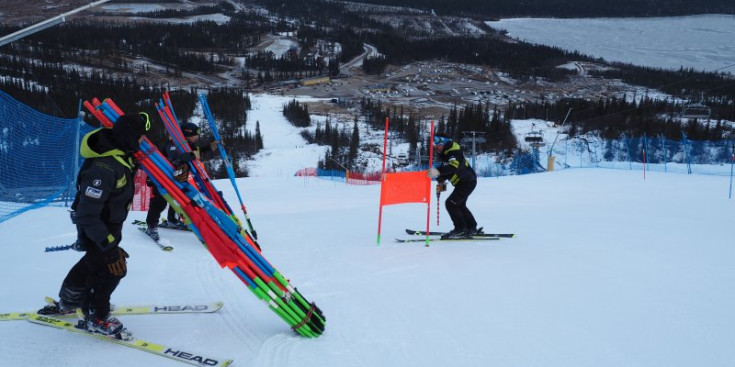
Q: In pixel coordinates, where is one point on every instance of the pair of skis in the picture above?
(126, 338)
(164, 224)
(477, 237)
(161, 243)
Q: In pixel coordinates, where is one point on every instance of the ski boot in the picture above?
(152, 232)
(55, 309)
(456, 234)
(109, 326)
(476, 232)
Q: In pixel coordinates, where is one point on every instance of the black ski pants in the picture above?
(89, 284)
(456, 204)
(156, 207)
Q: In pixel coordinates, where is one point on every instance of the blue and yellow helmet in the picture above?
(441, 139)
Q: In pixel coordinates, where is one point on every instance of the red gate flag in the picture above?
(405, 187)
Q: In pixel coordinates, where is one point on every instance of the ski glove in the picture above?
(117, 265)
(441, 187)
(432, 173)
(181, 173)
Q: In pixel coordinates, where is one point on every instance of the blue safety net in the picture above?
(38, 157)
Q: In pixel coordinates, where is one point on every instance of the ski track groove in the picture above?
(276, 351)
(216, 287)
(218, 283)
(18, 353)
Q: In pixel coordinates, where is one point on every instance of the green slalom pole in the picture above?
(297, 295)
(292, 314)
(295, 311)
(264, 297)
(278, 276)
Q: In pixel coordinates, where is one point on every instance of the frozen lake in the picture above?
(702, 42)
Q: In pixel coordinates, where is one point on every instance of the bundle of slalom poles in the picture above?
(221, 233)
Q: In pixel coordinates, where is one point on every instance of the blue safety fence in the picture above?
(627, 153)
(654, 152)
(38, 157)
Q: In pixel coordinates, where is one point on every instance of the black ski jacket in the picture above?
(455, 167)
(105, 190)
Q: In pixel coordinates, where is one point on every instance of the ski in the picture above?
(127, 339)
(164, 224)
(131, 310)
(180, 226)
(157, 241)
(433, 239)
(423, 233)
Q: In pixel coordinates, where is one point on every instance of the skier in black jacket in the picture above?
(179, 160)
(104, 193)
(455, 168)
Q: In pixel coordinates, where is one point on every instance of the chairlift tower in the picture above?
(536, 140)
(473, 137)
(550, 157)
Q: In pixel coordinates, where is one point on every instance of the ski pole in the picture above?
(58, 248)
(438, 194)
(226, 160)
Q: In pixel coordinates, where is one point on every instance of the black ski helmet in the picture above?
(128, 129)
(189, 129)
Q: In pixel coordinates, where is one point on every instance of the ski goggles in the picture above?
(440, 140)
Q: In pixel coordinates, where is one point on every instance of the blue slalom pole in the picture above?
(226, 159)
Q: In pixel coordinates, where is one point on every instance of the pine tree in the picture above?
(354, 143)
(258, 136)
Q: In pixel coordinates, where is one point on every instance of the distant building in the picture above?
(315, 81)
(384, 88)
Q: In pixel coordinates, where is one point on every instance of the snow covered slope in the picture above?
(607, 270)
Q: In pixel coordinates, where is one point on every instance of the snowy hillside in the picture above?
(284, 151)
